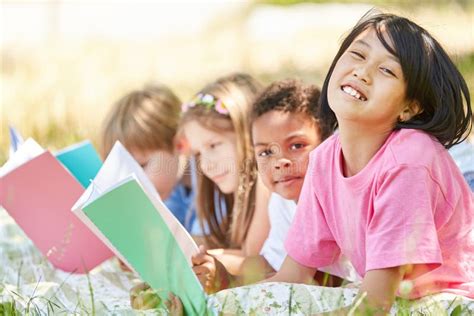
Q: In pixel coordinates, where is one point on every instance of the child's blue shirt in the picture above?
(180, 203)
(463, 155)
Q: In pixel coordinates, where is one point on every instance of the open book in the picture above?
(38, 191)
(81, 160)
(123, 208)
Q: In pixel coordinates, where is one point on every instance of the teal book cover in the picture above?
(136, 229)
(82, 160)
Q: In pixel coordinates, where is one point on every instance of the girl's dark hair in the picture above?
(432, 79)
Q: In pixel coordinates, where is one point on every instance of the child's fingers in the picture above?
(202, 269)
(199, 255)
(200, 258)
(208, 270)
(174, 305)
(179, 310)
(169, 301)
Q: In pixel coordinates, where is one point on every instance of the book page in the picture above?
(25, 152)
(38, 195)
(129, 220)
(119, 165)
(81, 160)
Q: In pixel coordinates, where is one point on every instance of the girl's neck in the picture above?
(359, 146)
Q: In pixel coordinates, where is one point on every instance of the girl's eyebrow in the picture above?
(362, 42)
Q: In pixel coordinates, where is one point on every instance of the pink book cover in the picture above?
(39, 195)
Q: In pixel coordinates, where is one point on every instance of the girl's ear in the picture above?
(412, 109)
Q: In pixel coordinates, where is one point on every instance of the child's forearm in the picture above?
(293, 272)
(378, 290)
(232, 259)
(253, 269)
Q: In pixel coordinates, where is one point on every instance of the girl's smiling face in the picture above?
(217, 154)
(367, 85)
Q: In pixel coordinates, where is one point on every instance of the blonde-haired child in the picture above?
(146, 122)
(231, 199)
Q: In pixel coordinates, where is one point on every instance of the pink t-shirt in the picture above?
(409, 205)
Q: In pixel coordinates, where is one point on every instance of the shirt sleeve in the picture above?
(402, 227)
(309, 240)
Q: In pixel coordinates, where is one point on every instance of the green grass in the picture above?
(59, 92)
(466, 67)
(60, 132)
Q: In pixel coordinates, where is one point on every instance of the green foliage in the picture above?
(466, 67)
(8, 309)
(457, 311)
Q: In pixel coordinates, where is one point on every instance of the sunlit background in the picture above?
(63, 63)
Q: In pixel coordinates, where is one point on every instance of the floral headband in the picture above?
(208, 101)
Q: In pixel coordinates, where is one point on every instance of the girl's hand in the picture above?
(174, 305)
(211, 273)
(142, 297)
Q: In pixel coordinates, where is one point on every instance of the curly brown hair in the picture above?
(291, 95)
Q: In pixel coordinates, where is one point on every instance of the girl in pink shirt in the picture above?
(384, 191)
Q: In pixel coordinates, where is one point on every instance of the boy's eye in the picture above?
(357, 55)
(297, 146)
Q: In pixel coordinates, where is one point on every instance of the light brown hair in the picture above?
(144, 119)
(228, 227)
